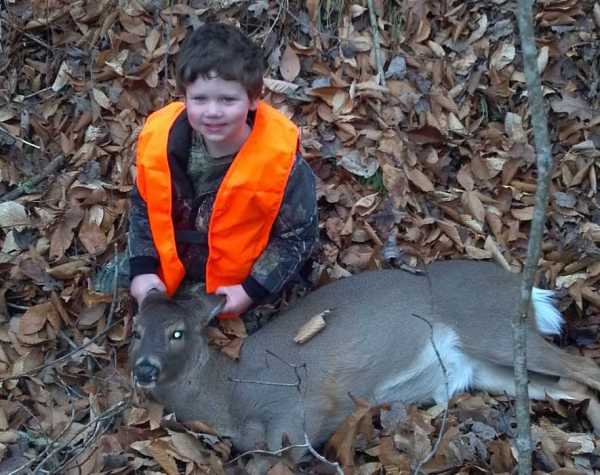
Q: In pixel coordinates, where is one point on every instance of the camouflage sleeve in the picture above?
(143, 258)
(293, 237)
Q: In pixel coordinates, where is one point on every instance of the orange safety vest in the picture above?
(247, 201)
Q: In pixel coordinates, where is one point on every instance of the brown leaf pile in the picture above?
(438, 160)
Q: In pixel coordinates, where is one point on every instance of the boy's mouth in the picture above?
(213, 127)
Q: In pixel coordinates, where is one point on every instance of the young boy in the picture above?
(222, 195)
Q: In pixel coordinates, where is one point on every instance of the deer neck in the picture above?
(204, 393)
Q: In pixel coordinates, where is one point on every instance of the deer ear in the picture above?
(153, 297)
(215, 304)
(204, 306)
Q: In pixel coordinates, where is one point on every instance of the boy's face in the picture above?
(218, 110)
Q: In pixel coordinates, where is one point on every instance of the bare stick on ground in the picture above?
(36, 370)
(50, 169)
(306, 445)
(115, 289)
(376, 43)
(167, 32)
(544, 165)
(93, 423)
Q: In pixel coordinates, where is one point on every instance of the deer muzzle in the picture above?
(145, 374)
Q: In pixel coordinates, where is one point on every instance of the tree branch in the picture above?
(544, 165)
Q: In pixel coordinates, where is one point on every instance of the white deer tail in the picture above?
(547, 317)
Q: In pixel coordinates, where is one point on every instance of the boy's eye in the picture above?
(229, 99)
(177, 335)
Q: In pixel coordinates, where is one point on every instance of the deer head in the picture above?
(168, 338)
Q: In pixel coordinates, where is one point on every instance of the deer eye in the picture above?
(177, 335)
(136, 334)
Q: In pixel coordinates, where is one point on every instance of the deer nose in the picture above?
(146, 373)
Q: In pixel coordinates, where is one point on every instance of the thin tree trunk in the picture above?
(544, 165)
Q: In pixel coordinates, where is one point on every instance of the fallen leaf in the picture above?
(233, 327)
(311, 327)
(158, 450)
(426, 135)
(189, 447)
(34, 318)
(359, 164)
(523, 214)
(503, 56)
(474, 205)
(491, 246)
(290, 64)
(68, 270)
(93, 238)
(89, 316)
(62, 77)
(101, 99)
(477, 253)
(573, 106)
(152, 39)
(13, 214)
(542, 59)
(233, 348)
(342, 441)
(418, 178)
(280, 469)
(480, 31)
(513, 126)
(501, 459)
(280, 87)
(455, 125)
(63, 234)
(465, 177)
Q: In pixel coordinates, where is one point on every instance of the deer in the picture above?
(387, 332)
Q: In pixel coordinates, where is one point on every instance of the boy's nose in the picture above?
(213, 109)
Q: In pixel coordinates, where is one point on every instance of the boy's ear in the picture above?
(253, 104)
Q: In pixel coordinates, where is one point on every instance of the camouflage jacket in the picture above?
(196, 178)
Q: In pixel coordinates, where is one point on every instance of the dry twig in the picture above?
(62, 358)
(25, 187)
(168, 43)
(376, 44)
(19, 139)
(113, 303)
(446, 385)
(44, 454)
(275, 453)
(307, 445)
(109, 413)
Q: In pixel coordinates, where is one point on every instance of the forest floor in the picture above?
(435, 157)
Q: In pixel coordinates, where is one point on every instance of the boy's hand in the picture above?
(237, 300)
(144, 283)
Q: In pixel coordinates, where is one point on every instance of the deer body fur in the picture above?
(376, 346)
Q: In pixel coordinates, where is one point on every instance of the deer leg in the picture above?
(500, 379)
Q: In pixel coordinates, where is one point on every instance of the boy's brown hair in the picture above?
(217, 48)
